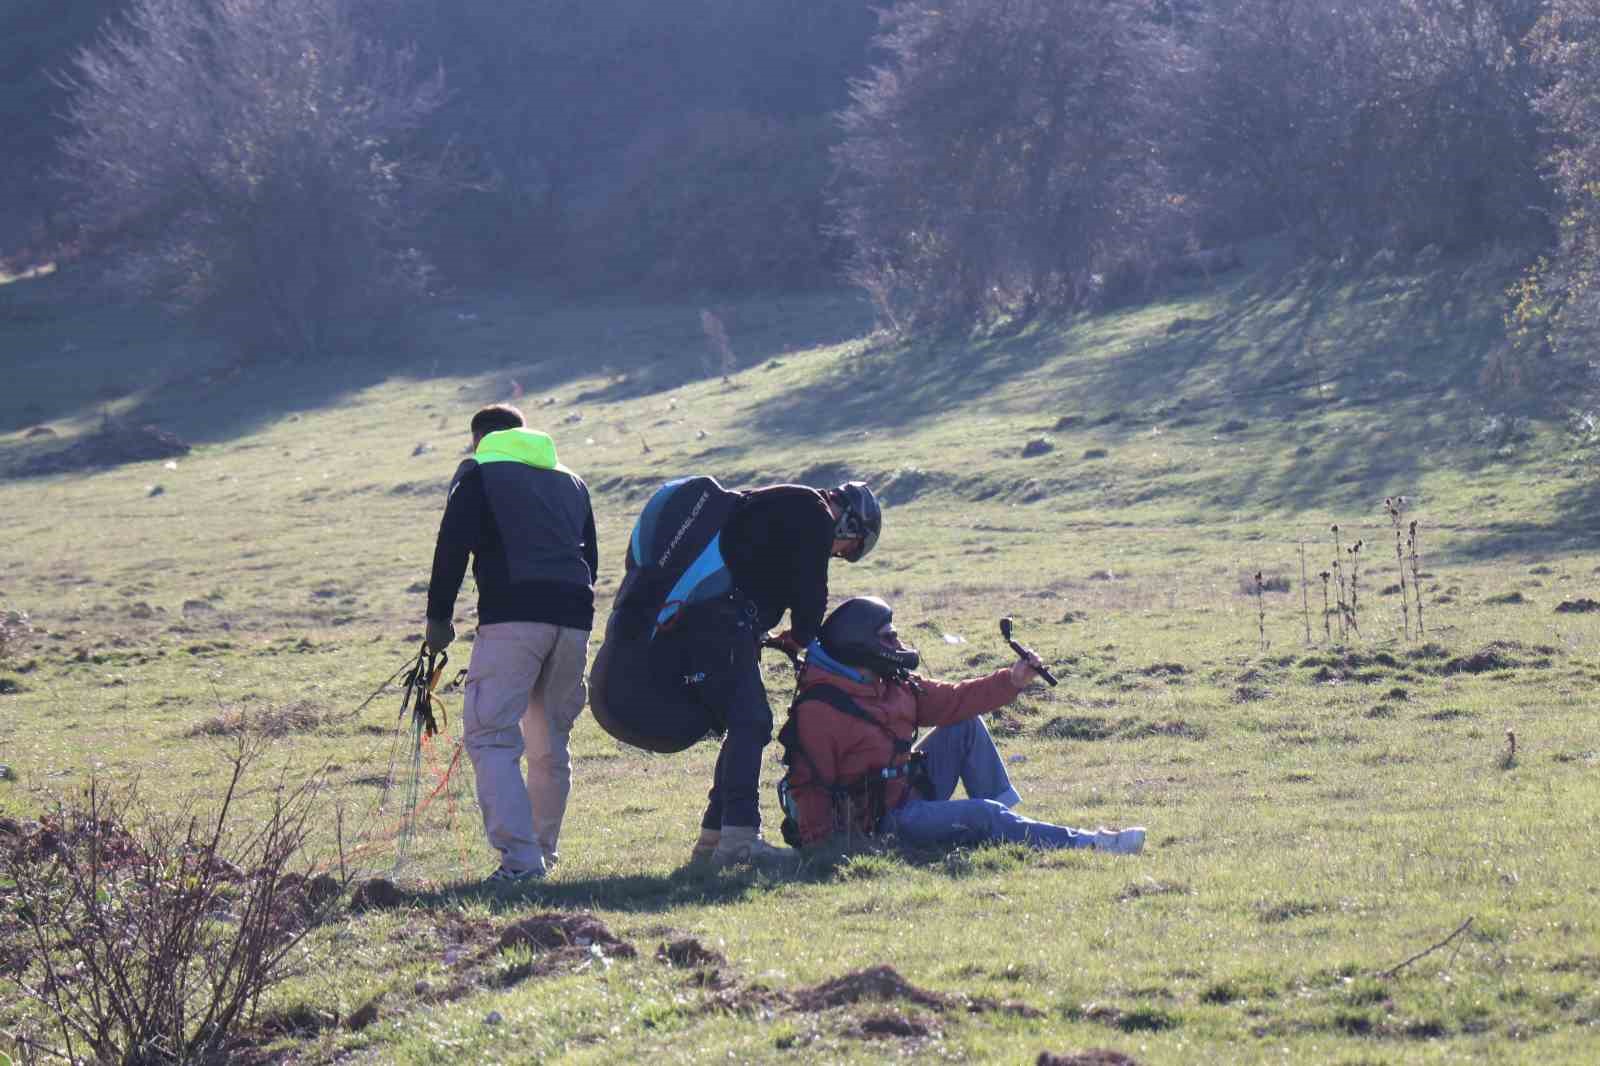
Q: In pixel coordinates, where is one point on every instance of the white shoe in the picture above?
(1120, 841)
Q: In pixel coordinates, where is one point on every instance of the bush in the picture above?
(247, 156)
(147, 937)
(731, 202)
(14, 629)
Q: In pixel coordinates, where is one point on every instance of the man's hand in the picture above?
(1025, 672)
(440, 633)
(786, 641)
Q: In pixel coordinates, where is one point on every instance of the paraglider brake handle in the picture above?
(1026, 654)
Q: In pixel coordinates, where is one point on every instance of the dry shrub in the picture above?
(140, 936)
(272, 722)
(14, 629)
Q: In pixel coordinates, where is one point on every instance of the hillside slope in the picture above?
(1322, 804)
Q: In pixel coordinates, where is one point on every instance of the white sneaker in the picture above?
(1120, 841)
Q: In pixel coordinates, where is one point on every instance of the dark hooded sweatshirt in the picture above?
(527, 522)
(777, 546)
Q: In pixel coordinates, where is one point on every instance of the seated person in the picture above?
(852, 764)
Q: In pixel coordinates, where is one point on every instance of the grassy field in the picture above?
(1320, 810)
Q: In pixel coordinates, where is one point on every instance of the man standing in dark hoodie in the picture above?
(527, 522)
(777, 546)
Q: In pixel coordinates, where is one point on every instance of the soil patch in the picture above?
(884, 984)
(1091, 1057)
(378, 893)
(891, 1025)
(551, 931)
(112, 445)
(1492, 656)
(689, 953)
(879, 983)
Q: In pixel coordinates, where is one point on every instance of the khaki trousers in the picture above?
(524, 691)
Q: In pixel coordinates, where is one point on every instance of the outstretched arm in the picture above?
(945, 703)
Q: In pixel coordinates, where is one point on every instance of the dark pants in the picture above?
(666, 694)
(735, 785)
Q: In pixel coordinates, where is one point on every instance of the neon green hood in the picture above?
(526, 446)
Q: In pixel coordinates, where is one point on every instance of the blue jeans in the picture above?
(965, 752)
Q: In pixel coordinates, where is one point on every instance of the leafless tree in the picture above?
(249, 157)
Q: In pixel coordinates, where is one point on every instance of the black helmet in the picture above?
(859, 516)
(853, 636)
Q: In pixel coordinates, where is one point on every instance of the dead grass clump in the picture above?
(1152, 887)
(272, 722)
(1078, 727)
(1171, 727)
(14, 629)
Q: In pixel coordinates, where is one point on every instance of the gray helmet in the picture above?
(859, 516)
(851, 635)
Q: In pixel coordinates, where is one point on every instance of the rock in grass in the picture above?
(1038, 446)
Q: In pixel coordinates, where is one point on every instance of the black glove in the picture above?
(440, 633)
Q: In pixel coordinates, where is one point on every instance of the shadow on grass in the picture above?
(699, 886)
(1572, 525)
(73, 356)
(1357, 381)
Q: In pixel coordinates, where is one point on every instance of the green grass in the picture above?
(1317, 814)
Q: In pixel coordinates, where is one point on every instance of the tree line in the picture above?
(301, 165)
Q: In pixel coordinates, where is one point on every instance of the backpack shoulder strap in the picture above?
(840, 700)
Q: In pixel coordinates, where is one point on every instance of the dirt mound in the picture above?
(551, 931)
(1492, 656)
(1582, 605)
(112, 445)
(1093, 1057)
(893, 1025)
(689, 952)
(379, 894)
(881, 983)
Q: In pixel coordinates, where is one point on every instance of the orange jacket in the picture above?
(843, 750)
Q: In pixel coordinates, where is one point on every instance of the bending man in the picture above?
(675, 668)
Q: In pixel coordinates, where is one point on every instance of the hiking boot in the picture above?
(1119, 841)
(507, 876)
(705, 846)
(743, 844)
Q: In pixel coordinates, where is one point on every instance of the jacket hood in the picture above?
(841, 677)
(526, 446)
